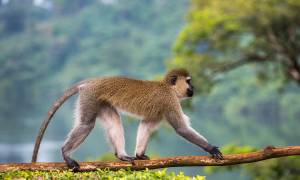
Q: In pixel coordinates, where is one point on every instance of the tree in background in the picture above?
(221, 36)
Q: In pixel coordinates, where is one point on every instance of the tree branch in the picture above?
(289, 53)
(247, 59)
(230, 159)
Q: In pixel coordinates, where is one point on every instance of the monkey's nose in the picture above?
(190, 92)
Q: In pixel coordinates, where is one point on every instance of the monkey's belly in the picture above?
(122, 111)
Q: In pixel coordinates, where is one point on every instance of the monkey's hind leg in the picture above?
(84, 122)
(110, 120)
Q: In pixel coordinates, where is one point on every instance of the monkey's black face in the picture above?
(190, 89)
(190, 92)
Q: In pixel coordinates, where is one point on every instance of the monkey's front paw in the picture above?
(142, 157)
(127, 158)
(215, 152)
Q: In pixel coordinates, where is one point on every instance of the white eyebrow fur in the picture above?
(188, 78)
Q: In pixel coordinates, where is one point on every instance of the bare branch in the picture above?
(230, 66)
(250, 58)
(230, 159)
(274, 42)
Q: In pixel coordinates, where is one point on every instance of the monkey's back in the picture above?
(146, 99)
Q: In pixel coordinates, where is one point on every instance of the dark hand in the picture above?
(215, 152)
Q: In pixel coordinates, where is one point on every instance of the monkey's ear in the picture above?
(173, 80)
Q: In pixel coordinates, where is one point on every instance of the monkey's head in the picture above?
(180, 81)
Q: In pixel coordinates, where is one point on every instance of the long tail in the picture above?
(68, 93)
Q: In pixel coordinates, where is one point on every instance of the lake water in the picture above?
(23, 152)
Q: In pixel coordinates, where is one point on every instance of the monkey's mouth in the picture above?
(190, 93)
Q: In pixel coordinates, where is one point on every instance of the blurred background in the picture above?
(243, 56)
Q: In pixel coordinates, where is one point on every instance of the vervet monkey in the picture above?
(150, 101)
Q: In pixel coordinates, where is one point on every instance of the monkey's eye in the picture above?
(173, 80)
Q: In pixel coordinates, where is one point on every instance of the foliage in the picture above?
(106, 157)
(220, 36)
(99, 174)
(246, 113)
(235, 50)
(42, 48)
(278, 168)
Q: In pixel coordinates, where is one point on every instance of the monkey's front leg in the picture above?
(182, 127)
(145, 130)
(191, 135)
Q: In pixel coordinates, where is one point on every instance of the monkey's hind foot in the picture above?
(142, 157)
(72, 164)
(216, 153)
(127, 158)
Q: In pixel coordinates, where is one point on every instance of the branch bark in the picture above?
(247, 59)
(230, 159)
